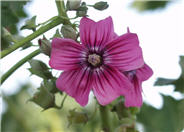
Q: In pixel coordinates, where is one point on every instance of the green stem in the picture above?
(51, 19)
(105, 119)
(60, 7)
(62, 103)
(62, 11)
(18, 64)
(40, 31)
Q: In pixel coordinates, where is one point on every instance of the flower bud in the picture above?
(82, 10)
(40, 69)
(43, 98)
(6, 34)
(45, 46)
(81, 13)
(101, 5)
(50, 85)
(77, 117)
(73, 4)
(38, 65)
(68, 32)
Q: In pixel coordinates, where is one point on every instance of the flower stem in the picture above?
(62, 11)
(32, 36)
(105, 119)
(62, 103)
(18, 64)
(60, 7)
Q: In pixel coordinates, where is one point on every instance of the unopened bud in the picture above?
(81, 13)
(37, 65)
(73, 4)
(6, 34)
(45, 46)
(82, 10)
(77, 117)
(40, 69)
(101, 5)
(50, 85)
(68, 32)
(43, 98)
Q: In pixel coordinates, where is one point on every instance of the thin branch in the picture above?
(18, 64)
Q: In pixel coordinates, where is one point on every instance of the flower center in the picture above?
(94, 59)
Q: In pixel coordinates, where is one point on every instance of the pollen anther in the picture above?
(94, 59)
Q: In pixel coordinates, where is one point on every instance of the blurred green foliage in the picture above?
(22, 115)
(170, 118)
(178, 83)
(11, 13)
(146, 5)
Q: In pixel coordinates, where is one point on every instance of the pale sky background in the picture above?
(160, 33)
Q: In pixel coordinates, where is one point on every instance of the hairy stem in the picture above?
(18, 64)
(60, 7)
(105, 119)
(32, 36)
(62, 11)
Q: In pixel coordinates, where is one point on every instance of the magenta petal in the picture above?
(66, 54)
(76, 83)
(124, 53)
(96, 34)
(109, 84)
(144, 72)
(134, 97)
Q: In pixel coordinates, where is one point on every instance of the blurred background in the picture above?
(160, 28)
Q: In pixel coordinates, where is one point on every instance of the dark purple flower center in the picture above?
(94, 59)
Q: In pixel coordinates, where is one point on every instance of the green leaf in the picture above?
(30, 24)
(182, 64)
(11, 13)
(179, 84)
(57, 34)
(168, 119)
(164, 81)
(148, 5)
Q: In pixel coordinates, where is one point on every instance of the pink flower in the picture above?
(137, 77)
(97, 63)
